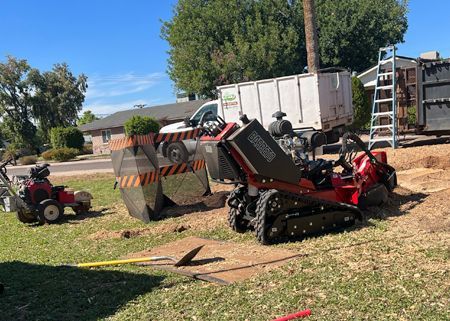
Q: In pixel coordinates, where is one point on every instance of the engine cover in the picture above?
(37, 191)
(262, 154)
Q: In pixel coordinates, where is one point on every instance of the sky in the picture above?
(117, 44)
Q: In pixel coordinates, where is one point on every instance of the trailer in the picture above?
(322, 101)
(433, 97)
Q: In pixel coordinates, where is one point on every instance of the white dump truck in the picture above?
(321, 102)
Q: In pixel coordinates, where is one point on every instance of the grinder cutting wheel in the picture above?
(281, 192)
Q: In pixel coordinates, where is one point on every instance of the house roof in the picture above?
(166, 112)
(398, 58)
(368, 76)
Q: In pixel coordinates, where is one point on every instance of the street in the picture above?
(68, 168)
(80, 167)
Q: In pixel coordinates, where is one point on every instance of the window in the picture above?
(196, 118)
(106, 135)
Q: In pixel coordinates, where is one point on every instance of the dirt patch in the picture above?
(433, 214)
(433, 156)
(203, 221)
(442, 162)
(220, 260)
(426, 180)
(200, 204)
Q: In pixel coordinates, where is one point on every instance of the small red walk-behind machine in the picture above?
(281, 192)
(36, 199)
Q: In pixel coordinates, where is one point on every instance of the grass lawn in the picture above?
(383, 269)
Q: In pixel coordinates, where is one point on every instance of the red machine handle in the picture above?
(300, 314)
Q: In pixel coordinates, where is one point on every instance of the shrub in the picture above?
(411, 115)
(361, 105)
(48, 154)
(87, 149)
(17, 150)
(60, 154)
(10, 152)
(70, 137)
(141, 125)
(28, 160)
(65, 154)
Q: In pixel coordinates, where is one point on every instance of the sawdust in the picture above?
(433, 156)
(432, 214)
(426, 180)
(203, 221)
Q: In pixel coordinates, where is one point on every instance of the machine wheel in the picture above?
(177, 153)
(50, 211)
(25, 217)
(235, 221)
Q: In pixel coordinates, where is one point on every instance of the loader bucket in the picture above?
(148, 181)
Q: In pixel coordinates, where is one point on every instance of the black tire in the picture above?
(50, 211)
(25, 217)
(236, 223)
(177, 153)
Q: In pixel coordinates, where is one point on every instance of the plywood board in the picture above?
(221, 262)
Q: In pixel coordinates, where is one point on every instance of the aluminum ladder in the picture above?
(385, 131)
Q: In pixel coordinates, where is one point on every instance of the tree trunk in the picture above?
(312, 45)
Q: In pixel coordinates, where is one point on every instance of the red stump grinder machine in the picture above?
(282, 193)
(34, 198)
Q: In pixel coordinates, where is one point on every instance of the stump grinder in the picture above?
(282, 191)
(34, 198)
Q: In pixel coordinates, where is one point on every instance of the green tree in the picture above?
(70, 137)
(141, 125)
(86, 118)
(16, 91)
(58, 98)
(218, 42)
(361, 105)
(352, 31)
(28, 96)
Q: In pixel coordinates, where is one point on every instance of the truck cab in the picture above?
(179, 152)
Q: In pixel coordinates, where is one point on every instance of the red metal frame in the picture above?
(366, 174)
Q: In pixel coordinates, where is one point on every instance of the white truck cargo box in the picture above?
(321, 101)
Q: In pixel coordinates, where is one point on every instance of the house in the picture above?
(112, 127)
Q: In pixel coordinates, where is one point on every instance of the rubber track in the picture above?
(261, 209)
(233, 219)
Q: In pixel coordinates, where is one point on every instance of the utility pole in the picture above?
(312, 44)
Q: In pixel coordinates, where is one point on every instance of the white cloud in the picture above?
(121, 85)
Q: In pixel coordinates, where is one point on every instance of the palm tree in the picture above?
(312, 46)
